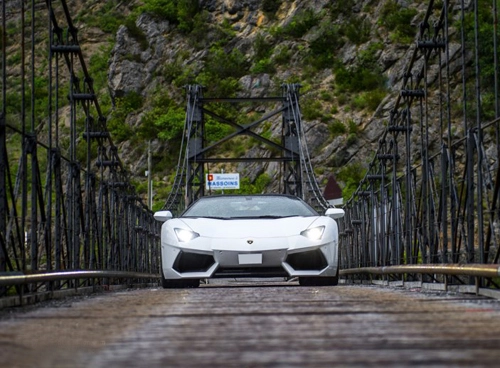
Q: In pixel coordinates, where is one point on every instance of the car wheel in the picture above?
(319, 281)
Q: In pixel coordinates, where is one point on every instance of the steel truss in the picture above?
(429, 201)
(66, 202)
(297, 176)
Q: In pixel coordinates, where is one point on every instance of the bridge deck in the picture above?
(251, 324)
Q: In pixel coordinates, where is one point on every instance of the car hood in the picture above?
(256, 228)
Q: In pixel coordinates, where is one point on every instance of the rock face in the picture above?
(132, 66)
(137, 65)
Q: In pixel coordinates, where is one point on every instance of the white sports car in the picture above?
(239, 236)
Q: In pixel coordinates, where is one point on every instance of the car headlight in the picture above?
(314, 233)
(184, 235)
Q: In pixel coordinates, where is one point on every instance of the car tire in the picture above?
(179, 284)
(318, 281)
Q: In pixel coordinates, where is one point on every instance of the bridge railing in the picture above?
(431, 192)
(66, 200)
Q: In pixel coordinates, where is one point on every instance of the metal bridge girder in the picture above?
(194, 152)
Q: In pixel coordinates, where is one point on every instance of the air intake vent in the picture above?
(305, 261)
(193, 262)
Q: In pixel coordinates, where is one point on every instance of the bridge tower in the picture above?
(195, 150)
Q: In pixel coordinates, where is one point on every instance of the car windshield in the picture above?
(264, 206)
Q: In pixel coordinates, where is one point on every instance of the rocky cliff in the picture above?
(348, 56)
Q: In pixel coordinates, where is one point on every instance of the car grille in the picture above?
(309, 260)
(193, 262)
(250, 272)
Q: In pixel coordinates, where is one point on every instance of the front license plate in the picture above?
(254, 258)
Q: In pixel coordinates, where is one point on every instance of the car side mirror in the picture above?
(335, 213)
(163, 216)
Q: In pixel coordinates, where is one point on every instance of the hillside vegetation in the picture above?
(348, 57)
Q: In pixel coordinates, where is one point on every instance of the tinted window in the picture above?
(249, 207)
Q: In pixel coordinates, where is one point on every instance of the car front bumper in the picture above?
(257, 259)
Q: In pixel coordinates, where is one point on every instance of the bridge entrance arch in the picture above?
(196, 152)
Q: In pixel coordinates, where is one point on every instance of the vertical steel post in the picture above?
(3, 151)
(195, 180)
(479, 166)
(409, 193)
(292, 173)
(32, 150)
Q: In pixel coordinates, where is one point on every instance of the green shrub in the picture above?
(107, 18)
(357, 79)
(214, 87)
(485, 33)
(187, 76)
(257, 187)
(397, 20)
(117, 125)
(13, 102)
(170, 122)
(357, 30)
(300, 24)
(222, 71)
(338, 8)
(282, 56)
(136, 33)
(323, 47)
(486, 53)
(311, 109)
(368, 57)
(351, 176)
(98, 66)
(263, 66)
(352, 127)
(225, 64)
(374, 98)
(166, 9)
(171, 71)
(119, 130)
(14, 58)
(180, 12)
(215, 130)
(261, 47)
(342, 98)
(488, 102)
(98, 69)
(326, 95)
(369, 100)
(262, 53)
(337, 128)
(165, 120)
(204, 32)
(186, 12)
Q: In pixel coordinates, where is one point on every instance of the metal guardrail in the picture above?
(475, 270)
(20, 278)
